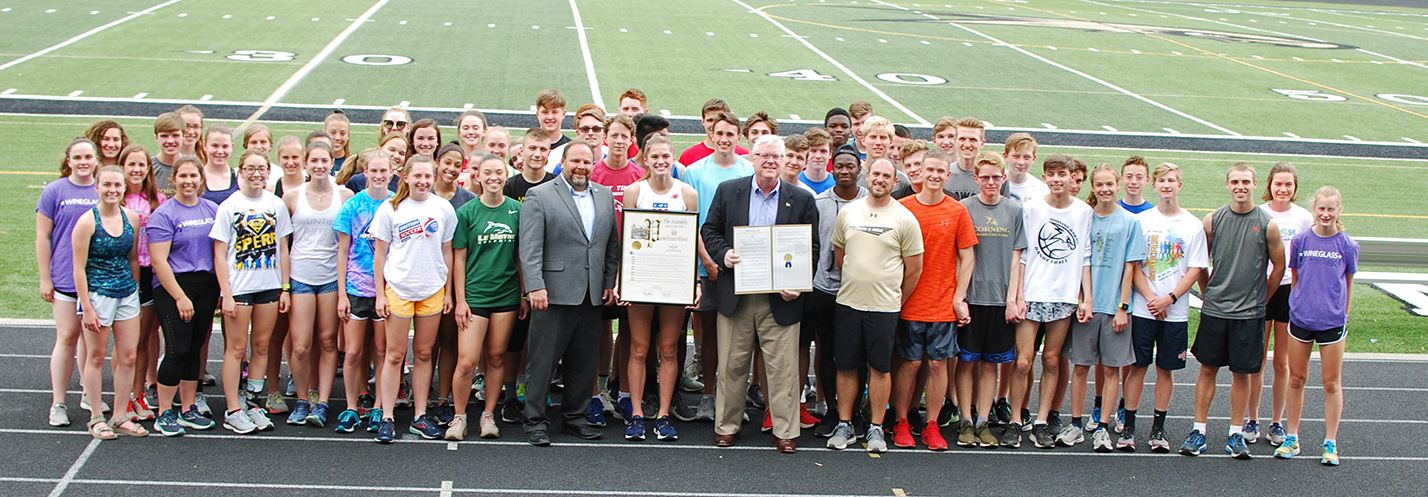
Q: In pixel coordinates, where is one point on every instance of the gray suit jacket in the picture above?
(556, 255)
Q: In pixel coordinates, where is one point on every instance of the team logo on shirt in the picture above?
(873, 230)
(256, 243)
(1056, 241)
(424, 227)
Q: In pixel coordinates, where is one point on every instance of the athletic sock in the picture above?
(1200, 427)
(1098, 402)
(1078, 421)
(872, 427)
(623, 396)
(1130, 419)
(1038, 422)
(1159, 423)
(1123, 403)
(1294, 436)
(256, 386)
(1330, 440)
(1235, 429)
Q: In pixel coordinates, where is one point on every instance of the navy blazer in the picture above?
(730, 209)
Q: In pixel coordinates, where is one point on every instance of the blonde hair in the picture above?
(1018, 140)
(1092, 200)
(1166, 168)
(337, 116)
(1283, 167)
(1327, 191)
(404, 190)
(254, 131)
(877, 124)
(987, 158)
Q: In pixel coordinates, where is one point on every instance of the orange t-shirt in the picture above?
(946, 228)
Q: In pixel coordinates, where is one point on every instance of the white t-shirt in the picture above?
(252, 228)
(1290, 222)
(1058, 246)
(1031, 188)
(1173, 245)
(415, 231)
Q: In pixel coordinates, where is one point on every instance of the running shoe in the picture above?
(374, 421)
(664, 429)
(318, 416)
(291, 389)
(488, 426)
(705, 411)
(1028, 420)
(151, 395)
(191, 418)
(1011, 436)
(595, 416)
(443, 412)
(386, 431)
(1194, 444)
(1288, 449)
(259, 417)
(624, 408)
(425, 427)
(932, 437)
(1120, 420)
(915, 421)
(277, 404)
(300, 411)
(902, 435)
(767, 425)
(1276, 434)
(59, 415)
(141, 409)
(238, 422)
(1002, 410)
(404, 396)
(1330, 457)
(1158, 443)
(1236, 447)
(312, 397)
(103, 406)
(876, 444)
(456, 429)
(1053, 422)
(755, 397)
(209, 380)
(200, 402)
(521, 392)
(1095, 421)
(478, 387)
(842, 436)
(1041, 436)
(168, 424)
(511, 411)
(347, 421)
(826, 425)
(682, 410)
(635, 429)
(984, 436)
(1126, 440)
(805, 418)
(966, 435)
(366, 402)
(690, 384)
(1251, 431)
(1070, 436)
(948, 415)
(1101, 440)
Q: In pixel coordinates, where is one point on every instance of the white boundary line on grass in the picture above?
(835, 63)
(585, 52)
(1063, 67)
(306, 69)
(87, 34)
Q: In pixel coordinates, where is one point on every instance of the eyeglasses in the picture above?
(983, 177)
(394, 124)
(590, 129)
(252, 169)
(768, 156)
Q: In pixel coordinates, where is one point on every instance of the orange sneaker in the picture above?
(805, 418)
(768, 422)
(902, 435)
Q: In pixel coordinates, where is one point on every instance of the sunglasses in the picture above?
(394, 124)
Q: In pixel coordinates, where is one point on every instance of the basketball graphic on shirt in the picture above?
(1056, 241)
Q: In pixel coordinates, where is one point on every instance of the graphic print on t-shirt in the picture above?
(1056, 241)
(256, 246)
(424, 227)
(1167, 251)
(495, 232)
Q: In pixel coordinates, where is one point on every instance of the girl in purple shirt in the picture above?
(63, 202)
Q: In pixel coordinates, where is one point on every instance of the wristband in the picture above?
(287, 287)
(1173, 298)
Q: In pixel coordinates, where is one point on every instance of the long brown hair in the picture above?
(655, 139)
(147, 188)
(1093, 200)
(186, 160)
(96, 132)
(404, 190)
(1283, 167)
(425, 122)
(337, 116)
(65, 170)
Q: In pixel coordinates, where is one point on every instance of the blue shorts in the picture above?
(913, 339)
(304, 288)
(1161, 342)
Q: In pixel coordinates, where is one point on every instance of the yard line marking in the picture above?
(1048, 125)
(339, 101)
(206, 98)
(468, 106)
(1108, 128)
(665, 112)
(9, 91)
(451, 446)
(1171, 131)
(404, 103)
(837, 64)
(1395, 59)
(74, 468)
(86, 34)
(585, 52)
(306, 69)
(794, 117)
(141, 95)
(1410, 140)
(76, 93)
(1291, 135)
(1352, 138)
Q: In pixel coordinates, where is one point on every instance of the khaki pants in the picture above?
(753, 324)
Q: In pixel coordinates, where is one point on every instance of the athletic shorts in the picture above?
(146, 286)
(258, 298)
(363, 308)
(709, 299)
(1325, 337)
(1277, 309)
(519, 332)
(66, 296)
(1097, 342)
(608, 312)
(863, 337)
(989, 337)
(914, 339)
(111, 309)
(304, 288)
(1160, 342)
(486, 312)
(429, 306)
(1237, 343)
(1046, 312)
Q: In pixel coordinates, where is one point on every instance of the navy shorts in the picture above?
(914, 339)
(299, 287)
(1160, 342)
(989, 337)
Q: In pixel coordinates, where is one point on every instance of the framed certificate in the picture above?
(773, 258)
(658, 257)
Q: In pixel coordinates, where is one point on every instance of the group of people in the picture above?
(941, 272)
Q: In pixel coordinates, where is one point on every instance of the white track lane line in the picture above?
(445, 489)
(86, 34)
(585, 52)
(306, 69)
(64, 482)
(1093, 79)
(837, 64)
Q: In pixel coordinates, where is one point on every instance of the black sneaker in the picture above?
(1053, 422)
(826, 425)
(1011, 436)
(512, 411)
(1002, 411)
(755, 397)
(1042, 437)
(914, 419)
(947, 415)
(681, 410)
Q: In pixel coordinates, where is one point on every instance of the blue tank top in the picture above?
(107, 271)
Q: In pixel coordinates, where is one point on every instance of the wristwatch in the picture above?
(1125, 306)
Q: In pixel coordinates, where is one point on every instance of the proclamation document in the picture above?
(773, 258)
(658, 256)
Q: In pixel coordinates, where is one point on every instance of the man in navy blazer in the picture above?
(772, 320)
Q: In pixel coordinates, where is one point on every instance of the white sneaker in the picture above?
(84, 404)
(59, 415)
(238, 422)
(488, 426)
(259, 417)
(200, 401)
(1070, 436)
(1101, 440)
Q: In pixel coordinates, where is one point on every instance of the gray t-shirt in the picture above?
(962, 184)
(162, 174)
(1239, 258)
(826, 277)
(999, 232)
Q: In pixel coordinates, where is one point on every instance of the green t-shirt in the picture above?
(489, 236)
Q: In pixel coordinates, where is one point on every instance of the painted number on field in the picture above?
(1313, 95)
(377, 60)
(1403, 99)
(1414, 295)
(803, 75)
(911, 79)
(261, 56)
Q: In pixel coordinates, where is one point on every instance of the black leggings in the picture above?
(184, 339)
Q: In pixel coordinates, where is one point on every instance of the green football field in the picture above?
(1340, 89)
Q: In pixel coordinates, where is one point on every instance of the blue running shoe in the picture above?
(374, 420)
(1330, 457)
(635, 429)
(1194, 444)
(300, 411)
(624, 409)
(596, 414)
(443, 412)
(347, 421)
(386, 431)
(1120, 419)
(192, 419)
(1251, 431)
(664, 429)
(168, 424)
(424, 426)
(1095, 421)
(318, 417)
(1236, 447)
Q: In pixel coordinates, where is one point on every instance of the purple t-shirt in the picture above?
(186, 228)
(64, 203)
(1319, 301)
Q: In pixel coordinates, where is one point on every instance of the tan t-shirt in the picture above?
(874, 242)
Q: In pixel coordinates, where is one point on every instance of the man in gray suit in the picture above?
(569, 260)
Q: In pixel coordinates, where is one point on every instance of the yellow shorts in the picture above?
(430, 306)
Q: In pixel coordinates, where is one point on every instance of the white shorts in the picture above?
(111, 309)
